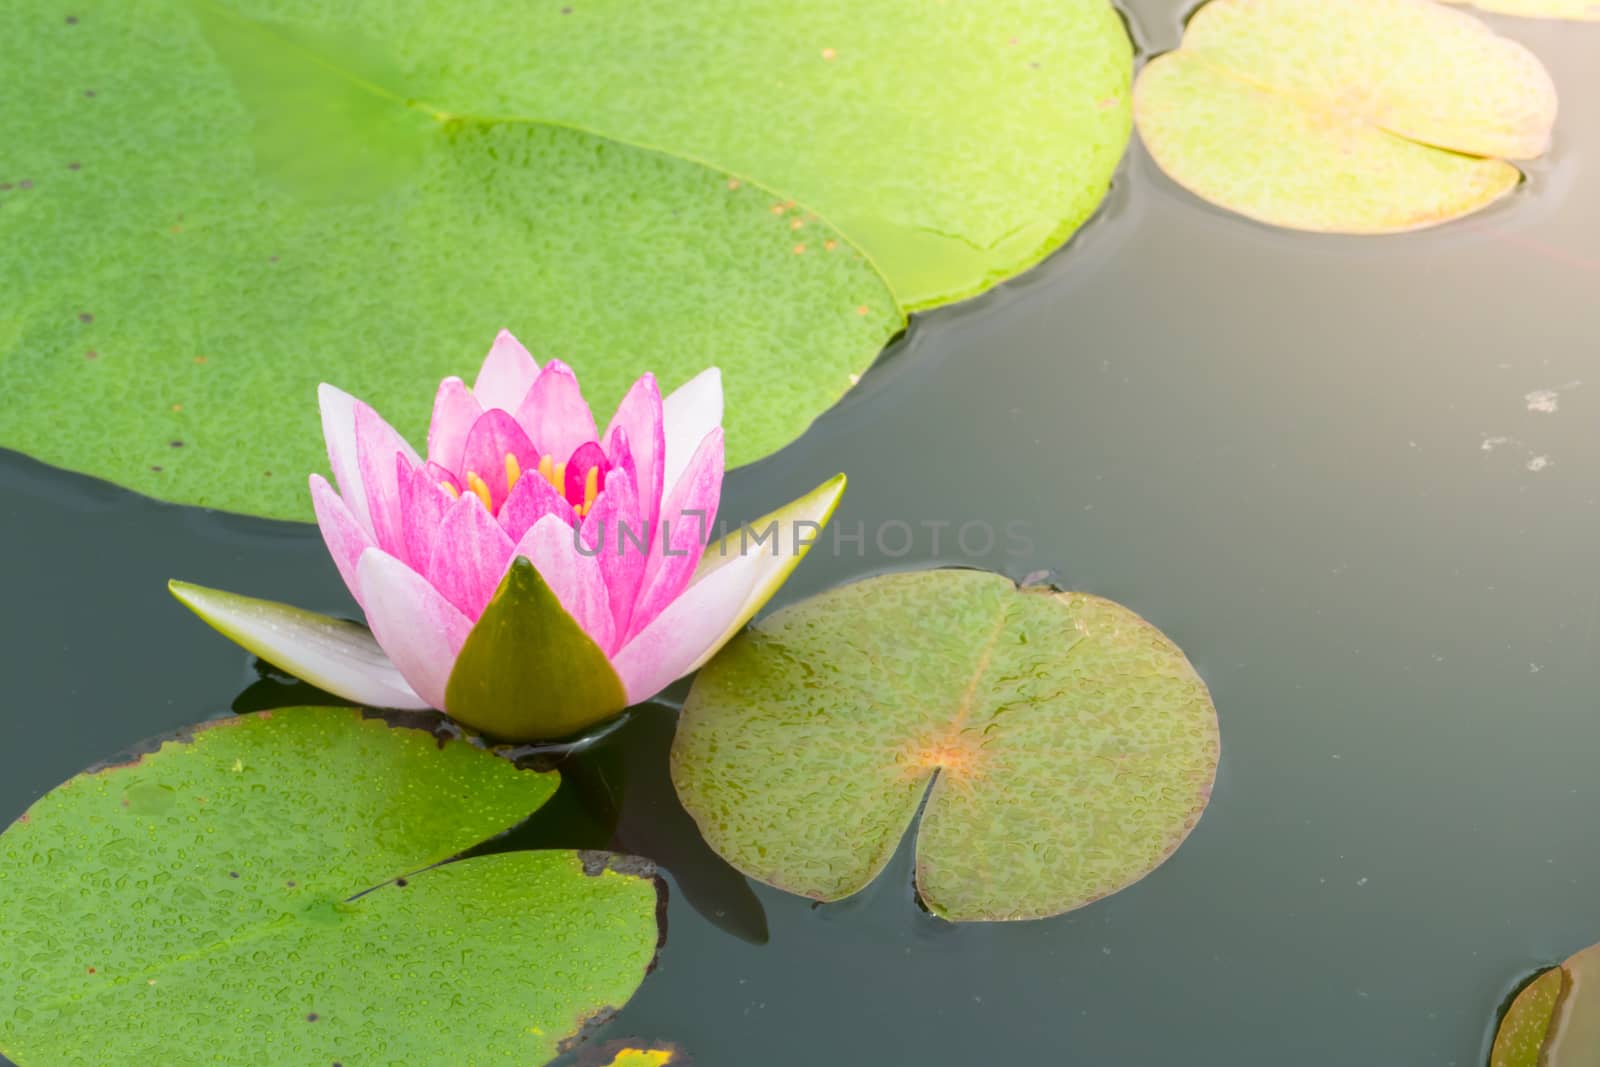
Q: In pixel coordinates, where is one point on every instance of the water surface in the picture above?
(1356, 480)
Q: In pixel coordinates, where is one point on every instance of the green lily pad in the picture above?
(957, 143)
(196, 230)
(1063, 745)
(1555, 1020)
(1363, 117)
(1581, 10)
(267, 891)
(266, 194)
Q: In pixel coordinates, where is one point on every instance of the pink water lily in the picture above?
(517, 473)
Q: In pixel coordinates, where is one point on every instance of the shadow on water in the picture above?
(617, 794)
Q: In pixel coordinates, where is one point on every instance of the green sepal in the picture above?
(527, 671)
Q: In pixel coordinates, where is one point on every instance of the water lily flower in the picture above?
(532, 576)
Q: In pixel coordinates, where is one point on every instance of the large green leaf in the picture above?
(957, 142)
(204, 215)
(208, 206)
(266, 892)
(1555, 1020)
(1070, 747)
(1364, 116)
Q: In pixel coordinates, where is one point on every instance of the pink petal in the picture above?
(424, 502)
(508, 372)
(690, 412)
(682, 635)
(555, 414)
(342, 533)
(377, 445)
(492, 438)
(616, 536)
(589, 457)
(419, 630)
(686, 519)
(638, 418)
(454, 411)
(470, 556)
(531, 499)
(573, 577)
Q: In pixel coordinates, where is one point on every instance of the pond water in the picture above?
(1358, 481)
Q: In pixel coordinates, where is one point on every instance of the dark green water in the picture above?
(1313, 462)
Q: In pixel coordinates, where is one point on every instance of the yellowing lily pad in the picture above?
(633, 1054)
(1363, 117)
(1583, 10)
(1064, 746)
(1555, 1020)
(207, 207)
(275, 889)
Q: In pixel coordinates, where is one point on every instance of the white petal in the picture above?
(800, 522)
(332, 654)
(339, 431)
(692, 627)
(734, 580)
(688, 413)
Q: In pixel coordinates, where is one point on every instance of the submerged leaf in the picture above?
(1365, 116)
(1064, 746)
(269, 891)
(1555, 1020)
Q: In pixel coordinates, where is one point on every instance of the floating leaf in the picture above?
(1555, 1020)
(1366, 116)
(1588, 10)
(1070, 746)
(634, 1054)
(265, 891)
(198, 228)
(957, 143)
(265, 194)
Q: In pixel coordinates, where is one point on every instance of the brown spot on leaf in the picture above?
(84, 316)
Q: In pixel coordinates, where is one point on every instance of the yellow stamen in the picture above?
(452, 490)
(591, 489)
(476, 484)
(513, 472)
(549, 472)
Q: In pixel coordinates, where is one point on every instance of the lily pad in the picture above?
(1363, 117)
(270, 890)
(1582, 10)
(197, 230)
(957, 143)
(363, 193)
(1063, 746)
(1555, 1020)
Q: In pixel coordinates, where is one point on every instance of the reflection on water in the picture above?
(1308, 460)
